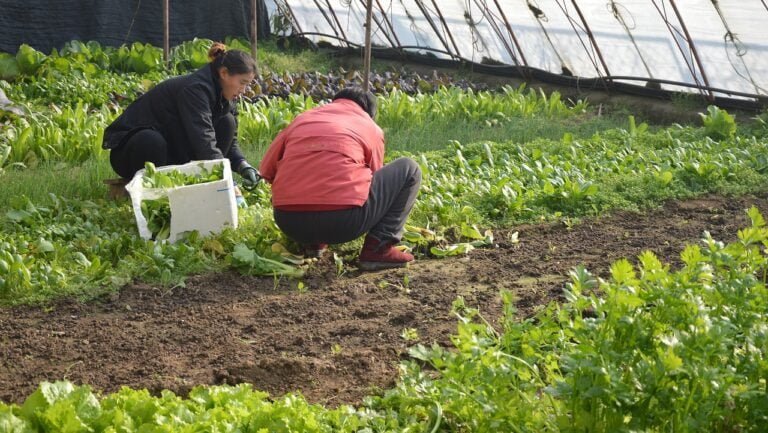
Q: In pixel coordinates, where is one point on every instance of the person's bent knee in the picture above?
(147, 139)
(226, 121)
(145, 145)
(226, 130)
(410, 167)
(416, 170)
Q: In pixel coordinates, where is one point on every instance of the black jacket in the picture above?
(183, 109)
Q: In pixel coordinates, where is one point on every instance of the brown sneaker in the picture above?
(377, 255)
(314, 251)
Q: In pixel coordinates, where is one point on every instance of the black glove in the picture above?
(250, 176)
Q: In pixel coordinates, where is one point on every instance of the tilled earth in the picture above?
(340, 338)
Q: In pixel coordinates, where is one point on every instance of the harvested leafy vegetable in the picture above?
(250, 262)
(173, 178)
(158, 215)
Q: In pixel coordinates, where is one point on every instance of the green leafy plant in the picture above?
(64, 407)
(410, 334)
(9, 67)
(59, 134)
(190, 54)
(28, 59)
(137, 57)
(718, 124)
(659, 350)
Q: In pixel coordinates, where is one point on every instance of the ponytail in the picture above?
(236, 61)
(217, 50)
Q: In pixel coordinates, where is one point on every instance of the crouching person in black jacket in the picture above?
(191, 117)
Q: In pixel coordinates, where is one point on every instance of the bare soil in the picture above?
(340, 338)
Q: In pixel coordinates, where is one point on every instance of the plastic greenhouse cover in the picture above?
(632, 38)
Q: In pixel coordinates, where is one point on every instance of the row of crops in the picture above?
(70, 246)
(74, 133)
(671, 351)
(664, 350)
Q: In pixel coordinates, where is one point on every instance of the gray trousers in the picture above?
(393, 192)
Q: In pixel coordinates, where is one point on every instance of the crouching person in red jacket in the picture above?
(329, 184)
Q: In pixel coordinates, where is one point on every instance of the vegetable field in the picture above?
(576, 271)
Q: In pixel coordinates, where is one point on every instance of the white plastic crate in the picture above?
(206, 207)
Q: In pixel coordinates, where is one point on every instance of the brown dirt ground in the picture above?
(339, 340)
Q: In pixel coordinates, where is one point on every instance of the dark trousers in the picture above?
(390, 200)
(149, 145)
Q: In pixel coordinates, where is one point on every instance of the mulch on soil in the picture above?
(340, 340)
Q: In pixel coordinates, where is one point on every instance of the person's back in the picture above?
(327, 158)
(157, 108)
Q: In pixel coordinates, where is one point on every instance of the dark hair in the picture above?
(236, 61)
(366, 100)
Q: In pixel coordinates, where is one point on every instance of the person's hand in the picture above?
(250, 176)
(239, 199)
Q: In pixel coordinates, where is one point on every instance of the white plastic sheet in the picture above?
(637, 38)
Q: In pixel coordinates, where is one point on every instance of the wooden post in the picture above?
(367, 59)
(166, 33)
(254, 34)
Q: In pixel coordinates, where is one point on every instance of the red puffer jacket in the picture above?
(325, 159)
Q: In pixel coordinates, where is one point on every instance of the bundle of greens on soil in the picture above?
(157, 212)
